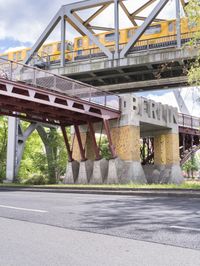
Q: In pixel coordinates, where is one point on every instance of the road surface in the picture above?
(77, 229)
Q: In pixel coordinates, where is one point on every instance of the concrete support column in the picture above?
(127, 167)
(166, 149)
(126, 140)
(166, 157)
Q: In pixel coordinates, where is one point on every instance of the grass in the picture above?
(185, 185)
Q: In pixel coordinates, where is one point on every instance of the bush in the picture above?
(35, 179)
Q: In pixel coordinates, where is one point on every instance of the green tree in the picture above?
(191, 166)
(104, 147)
(193, 12)
(3, 146)
(44, 155)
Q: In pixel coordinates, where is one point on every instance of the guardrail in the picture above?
(19, 72)
(189, 121)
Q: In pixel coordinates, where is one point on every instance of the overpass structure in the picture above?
(134, 66)
(39, 96)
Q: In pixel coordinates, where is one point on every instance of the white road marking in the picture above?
(22, 209)
(185, 228)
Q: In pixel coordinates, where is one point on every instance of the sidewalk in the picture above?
(191, 193)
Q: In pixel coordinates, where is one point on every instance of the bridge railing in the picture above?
(189, 121)
(141, 45)
(37, 77)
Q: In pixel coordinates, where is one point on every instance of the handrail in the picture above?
(189, 121)
(16, 71)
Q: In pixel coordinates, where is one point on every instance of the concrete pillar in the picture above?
(166, 149)
(166, 158)
(126, 140)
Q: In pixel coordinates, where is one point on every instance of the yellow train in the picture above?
(51, 50)
(160, 34)
(156, 35)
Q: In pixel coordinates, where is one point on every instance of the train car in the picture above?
(160, 34)
(48, 52)
(53, 51)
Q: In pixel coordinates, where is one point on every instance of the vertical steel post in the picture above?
(111, 146)
(63, 30)
(95, 146)
(116, 10)
(178, 23)
(82, 152)
(67, 143)
(183, 141)
(11, 149)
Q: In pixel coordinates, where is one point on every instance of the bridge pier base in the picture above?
(100, 172)
(85, 172)
(72, 172)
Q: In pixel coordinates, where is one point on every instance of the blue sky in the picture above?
(23, 21)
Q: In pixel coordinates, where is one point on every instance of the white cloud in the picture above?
(24, 20)
(12, 49)
(191, 97)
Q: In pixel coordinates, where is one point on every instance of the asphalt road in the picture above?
(74, 229)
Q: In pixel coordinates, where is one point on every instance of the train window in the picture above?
(110, 37)
(153, 29)
(79, 52)
(171, 26)
(80, 43)
(59, 46)
(130, 33)
(14, 56)
(68, 46)
(48, 49)
(19, 55)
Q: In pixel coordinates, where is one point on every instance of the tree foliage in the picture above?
(193, 12)
(44, 157)
(3, 146)
(191, 166)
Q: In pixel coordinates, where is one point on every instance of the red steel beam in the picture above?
(67, 143)
(111, 146)
(80, 144)
(95, 146)
(63, 102)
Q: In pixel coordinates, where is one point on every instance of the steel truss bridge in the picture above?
(136, 65)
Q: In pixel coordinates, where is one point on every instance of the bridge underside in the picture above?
(162, 68)
(35, 104)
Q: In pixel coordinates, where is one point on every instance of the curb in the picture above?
(189, 193)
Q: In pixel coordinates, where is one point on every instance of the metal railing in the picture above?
(189, 121)
(14, 71)
(141, 45)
